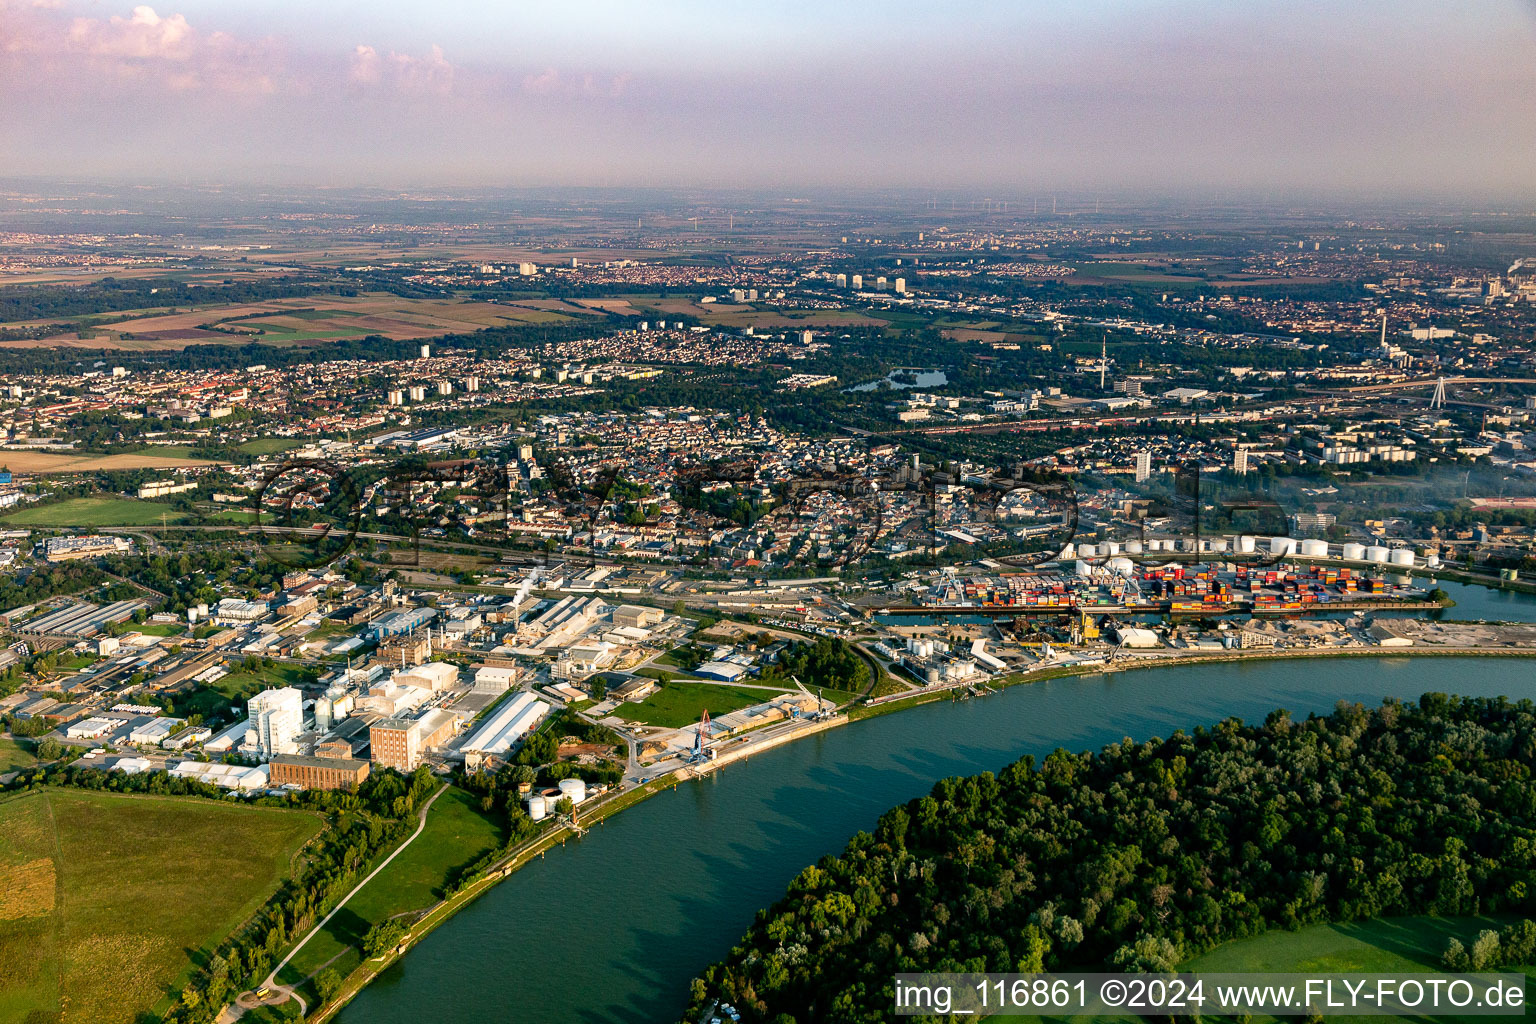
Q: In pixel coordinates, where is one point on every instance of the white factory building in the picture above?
(276, 719)
(507, 725)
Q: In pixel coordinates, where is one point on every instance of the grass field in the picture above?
(214, 702)
(15, 754)
(106, 898)
(161, 629)
(269, 445)
(1400, 945)
(678, 704)
(456, 835)
(94, 512)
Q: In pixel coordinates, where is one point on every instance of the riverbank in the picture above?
(604, 808)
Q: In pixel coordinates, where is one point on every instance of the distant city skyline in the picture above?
(1366, 98)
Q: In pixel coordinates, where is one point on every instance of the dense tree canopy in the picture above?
(1145, 854)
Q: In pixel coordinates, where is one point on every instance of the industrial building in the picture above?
(316, 772)
(636, 616)
(507, 725)
(276, 719)
(398, 743)
(240, 778)
(401, 622)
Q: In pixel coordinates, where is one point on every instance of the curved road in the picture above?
(281, 993)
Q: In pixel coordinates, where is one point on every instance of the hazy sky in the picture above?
(1012, 96)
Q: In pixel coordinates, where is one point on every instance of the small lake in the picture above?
(923, 379)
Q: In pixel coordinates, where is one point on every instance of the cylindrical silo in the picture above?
(1314, 548)
(1401, 556)
(1245, 544)
(538, 807)
(1376, 553)
(1354, 552)
(574, 789)
(1282, 546)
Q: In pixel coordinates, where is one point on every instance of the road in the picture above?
(281, 993)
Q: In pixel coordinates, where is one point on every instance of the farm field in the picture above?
(1400, 945)
(304, 320)
(59, 462)
(678, 704)
(457, 834)
(106, 897)
(94, 512)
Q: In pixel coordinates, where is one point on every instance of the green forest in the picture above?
(1143, 855)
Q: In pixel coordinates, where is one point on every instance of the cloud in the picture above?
(432, 74)
(553, 82)
(143, 36)
(65, 56)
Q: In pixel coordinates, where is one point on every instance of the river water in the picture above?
(613, 927)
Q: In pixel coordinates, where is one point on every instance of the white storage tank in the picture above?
(1134, 547)
(1122, 566)
(1315, 548)
(574, 789)
(538, 808)
(1111, 547)
(1401, 556)
(1432, 560)
(1376, 553)
(1354, 552)
(1282, 546)
(1070, 551)
(1245, 544)
(1088, 551)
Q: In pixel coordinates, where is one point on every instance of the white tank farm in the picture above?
(1401, 556)
(1246, 544)
(1282, 546)
(1354, 552)
(1315, 548)
(575, 789)
(538, 808)
(1376, 553)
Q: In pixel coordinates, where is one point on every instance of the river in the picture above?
(613, 927)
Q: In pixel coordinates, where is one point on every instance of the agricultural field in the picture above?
(457, 834)
(94, 512)
(722, 314)
(105, 899)
(59, 462)
(678, 704)
(305, 320)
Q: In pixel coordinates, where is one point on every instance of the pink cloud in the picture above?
(429, 75)
(143, 36)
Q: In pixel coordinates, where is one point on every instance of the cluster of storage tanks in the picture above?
(541, 804)
(1111, 550)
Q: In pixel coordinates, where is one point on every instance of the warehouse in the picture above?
(507, 725)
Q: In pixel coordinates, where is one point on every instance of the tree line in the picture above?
(1143, 855)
